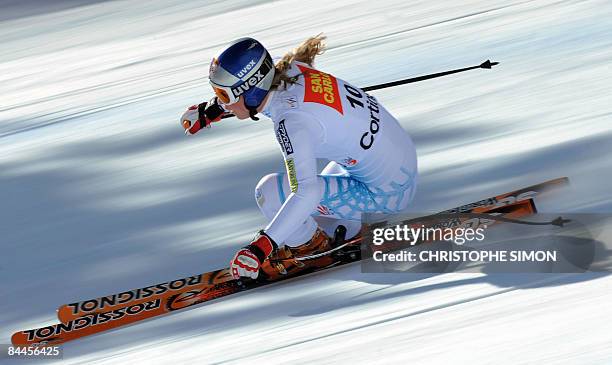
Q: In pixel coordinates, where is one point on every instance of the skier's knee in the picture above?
(269, 193)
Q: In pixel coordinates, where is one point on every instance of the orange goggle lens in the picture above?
(222, 95)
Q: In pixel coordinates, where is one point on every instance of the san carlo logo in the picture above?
(321, 88)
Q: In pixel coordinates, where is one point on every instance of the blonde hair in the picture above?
(306, 53)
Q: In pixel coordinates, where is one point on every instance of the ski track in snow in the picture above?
(102, 192)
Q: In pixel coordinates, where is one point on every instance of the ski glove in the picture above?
(198, 116)
(247, 261)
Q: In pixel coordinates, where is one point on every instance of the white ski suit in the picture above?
(373, 164)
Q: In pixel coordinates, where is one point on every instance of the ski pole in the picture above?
(486, 64)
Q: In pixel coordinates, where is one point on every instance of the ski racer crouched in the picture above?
(372, 168)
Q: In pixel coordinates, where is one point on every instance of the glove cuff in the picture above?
(262, 246)
(202, 112)
(214, 111)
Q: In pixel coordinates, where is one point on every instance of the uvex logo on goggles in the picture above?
(254, 79)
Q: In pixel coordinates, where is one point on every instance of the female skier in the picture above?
(373, 164)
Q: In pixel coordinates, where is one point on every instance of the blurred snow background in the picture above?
(102, 192)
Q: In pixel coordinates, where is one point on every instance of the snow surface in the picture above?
(102, 192)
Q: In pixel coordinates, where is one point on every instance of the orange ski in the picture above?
(69, 312)
(102, 314)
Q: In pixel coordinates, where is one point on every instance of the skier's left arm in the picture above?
(297, 136)
(297, 139)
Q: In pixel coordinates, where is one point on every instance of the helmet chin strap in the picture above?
(252, 113)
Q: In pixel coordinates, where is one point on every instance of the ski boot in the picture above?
(282, 262)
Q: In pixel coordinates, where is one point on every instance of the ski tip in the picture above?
(488, 64)
(564, 180)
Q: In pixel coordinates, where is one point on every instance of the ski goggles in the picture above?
(224, 94)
